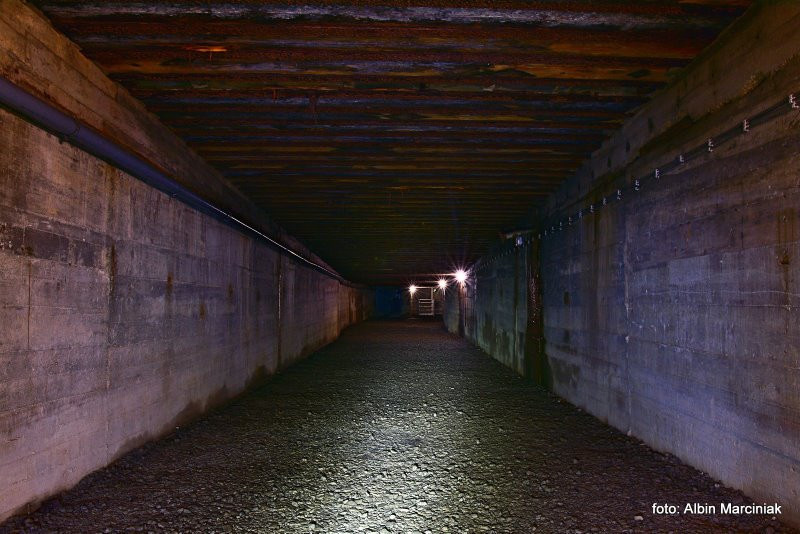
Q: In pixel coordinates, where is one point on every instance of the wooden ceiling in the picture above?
(396, 139)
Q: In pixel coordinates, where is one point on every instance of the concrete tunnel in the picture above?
(419, 266)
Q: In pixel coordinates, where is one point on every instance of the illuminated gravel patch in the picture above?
(397, 427)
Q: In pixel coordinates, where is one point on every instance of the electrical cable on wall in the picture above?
(792, 103)
(68, 129)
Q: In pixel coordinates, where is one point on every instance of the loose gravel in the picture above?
(396, 427)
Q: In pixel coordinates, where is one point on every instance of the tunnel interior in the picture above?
(399, 266)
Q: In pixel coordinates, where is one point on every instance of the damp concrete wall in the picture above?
(451, 313)
(494, 307)
(124, 312)
(673, 315)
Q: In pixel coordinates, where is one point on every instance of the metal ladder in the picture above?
(425, 307)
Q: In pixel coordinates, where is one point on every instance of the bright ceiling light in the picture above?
(460, 276)
(412, 289)
(442, 283)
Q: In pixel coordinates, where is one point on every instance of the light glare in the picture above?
(412, 289)
(461, 276)
(442, 283)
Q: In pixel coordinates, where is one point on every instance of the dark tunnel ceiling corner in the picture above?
(398, 138)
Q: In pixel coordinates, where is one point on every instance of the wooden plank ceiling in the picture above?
(395, 138)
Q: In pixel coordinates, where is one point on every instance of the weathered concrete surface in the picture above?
(396, 427)
(495, 308)
(125, 313)
(451, 313)
(673, 315)
(45, 63)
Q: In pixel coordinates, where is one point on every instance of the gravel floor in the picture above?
(397, 427)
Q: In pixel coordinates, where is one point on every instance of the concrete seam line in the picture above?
(47, 117)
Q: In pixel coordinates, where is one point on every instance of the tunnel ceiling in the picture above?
(395, 139)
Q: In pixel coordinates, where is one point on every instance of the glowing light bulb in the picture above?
(412, 289)
(442, 283)
(460, 276)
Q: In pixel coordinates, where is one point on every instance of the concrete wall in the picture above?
(124, 312)
(673, 315)
(494, 307)
(451, 313)
(34, 56)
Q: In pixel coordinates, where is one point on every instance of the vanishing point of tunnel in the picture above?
(400, 266)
